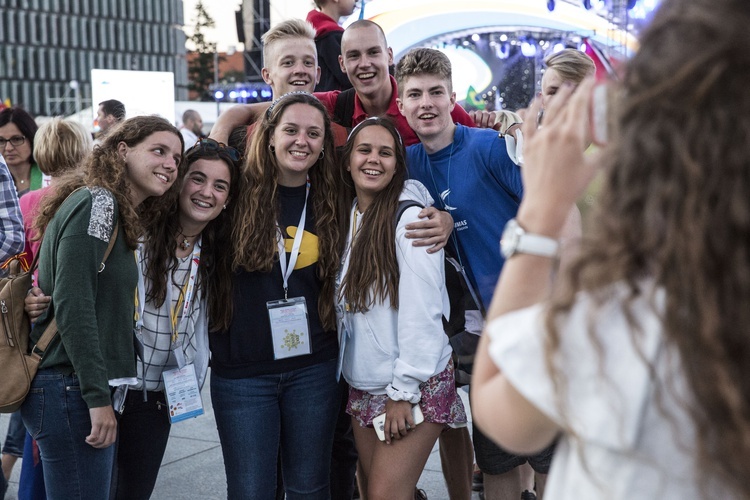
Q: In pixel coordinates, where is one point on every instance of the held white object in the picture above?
(379, 422)
(516, 240)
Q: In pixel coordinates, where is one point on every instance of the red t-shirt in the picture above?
(328, 99)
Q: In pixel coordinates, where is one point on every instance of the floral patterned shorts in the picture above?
(440, 403)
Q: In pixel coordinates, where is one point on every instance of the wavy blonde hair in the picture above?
(60, 146)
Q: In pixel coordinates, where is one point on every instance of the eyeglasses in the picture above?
(16, 141)
(211, 146)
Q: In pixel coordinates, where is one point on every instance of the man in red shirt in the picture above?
(365, 58)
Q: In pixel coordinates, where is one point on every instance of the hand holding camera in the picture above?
(556, 171)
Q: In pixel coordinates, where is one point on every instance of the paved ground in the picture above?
(193, 467)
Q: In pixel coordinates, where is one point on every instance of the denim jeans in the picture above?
(293, 411)
(31, 484)
(16, 434)
(57, 417)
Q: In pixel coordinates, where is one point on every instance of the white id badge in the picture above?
(183, 394)
(289, 327)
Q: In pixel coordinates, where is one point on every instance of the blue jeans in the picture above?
(31, 484)
(57, 417)
(294, 412)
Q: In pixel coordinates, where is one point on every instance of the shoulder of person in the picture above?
(100, 207)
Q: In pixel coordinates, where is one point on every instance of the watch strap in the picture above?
(535, 244)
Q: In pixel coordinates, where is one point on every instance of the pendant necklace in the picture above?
(185, 243)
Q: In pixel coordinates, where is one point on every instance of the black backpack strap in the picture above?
(343, 111)
(402, 206)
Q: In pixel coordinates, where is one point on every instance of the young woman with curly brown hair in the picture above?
(69, 408)
(640, 359)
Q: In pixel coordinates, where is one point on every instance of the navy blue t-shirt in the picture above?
(246, 349)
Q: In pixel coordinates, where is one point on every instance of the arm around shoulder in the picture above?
(236, 116)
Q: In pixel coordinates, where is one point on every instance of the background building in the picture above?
(47, 44)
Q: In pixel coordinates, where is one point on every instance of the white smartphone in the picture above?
(379, 422)
(603, 102)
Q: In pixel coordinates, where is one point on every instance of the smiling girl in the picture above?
(391, 301)
(273, 381)
(68, 410)
(185, 289)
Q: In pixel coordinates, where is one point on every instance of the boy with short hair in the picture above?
(470, 172)
(290, 59)
(328, 34)
(366, 58)
(290, 63)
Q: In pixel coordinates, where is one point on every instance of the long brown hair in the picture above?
(675, 208)
(215, 271)
(257, 212)
(105, 168)
(373, 269)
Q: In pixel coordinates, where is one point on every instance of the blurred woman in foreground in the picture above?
(640, 357)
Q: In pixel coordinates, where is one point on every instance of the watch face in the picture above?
(509, 241)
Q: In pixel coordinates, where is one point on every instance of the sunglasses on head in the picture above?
(211, 146)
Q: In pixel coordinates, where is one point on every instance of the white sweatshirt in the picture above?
(392, 351)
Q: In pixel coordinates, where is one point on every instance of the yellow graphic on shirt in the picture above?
(308, 252)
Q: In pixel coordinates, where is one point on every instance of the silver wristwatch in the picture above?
(516, 240)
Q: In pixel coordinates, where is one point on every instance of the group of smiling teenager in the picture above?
(428, 108)
(297, 267)
(251, 263)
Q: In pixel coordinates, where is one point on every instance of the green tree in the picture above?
(201, 68)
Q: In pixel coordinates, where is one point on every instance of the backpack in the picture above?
(343, 111)
(19, 363)
(465, 304)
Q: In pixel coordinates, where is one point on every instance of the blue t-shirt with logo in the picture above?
(475, 180)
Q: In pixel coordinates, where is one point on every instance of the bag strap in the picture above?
(402, 206)
(51, 330)
(343, 111)
(453, 260)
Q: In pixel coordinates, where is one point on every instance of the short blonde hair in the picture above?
(291, 28)
(571, 64)
(60, 146)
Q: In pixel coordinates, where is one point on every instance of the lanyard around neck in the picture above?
(186, 296)
(286, 270)
(445, 205)
(185, 299)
